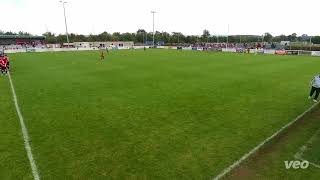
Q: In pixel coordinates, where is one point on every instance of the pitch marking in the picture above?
(24, 133)
(244, 157)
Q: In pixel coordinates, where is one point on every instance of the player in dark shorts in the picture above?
(7, 62)
(315, 88)
(101, 55)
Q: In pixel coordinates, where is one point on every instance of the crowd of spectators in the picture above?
(219, 46)
(22, 46)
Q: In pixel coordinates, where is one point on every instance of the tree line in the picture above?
(142, 36)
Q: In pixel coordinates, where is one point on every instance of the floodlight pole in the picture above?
(65, 20)
(227, 38)
(153, 12)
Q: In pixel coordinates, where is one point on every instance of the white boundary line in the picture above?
(302, 150)
(24, 133)
(244, 157)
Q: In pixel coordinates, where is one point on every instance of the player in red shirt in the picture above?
(3, 66)
(6, 61)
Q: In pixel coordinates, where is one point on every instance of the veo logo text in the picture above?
(296, 164)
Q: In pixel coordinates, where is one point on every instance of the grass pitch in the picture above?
(155, 114)
(312, 151)
(269, 162)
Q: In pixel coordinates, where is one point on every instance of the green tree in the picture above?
(50, 38)
(283, 38)
(294, 36)
(164, 36)
(205, 36)
(127, 37)
(61, 38)
(116, 36)
(10, 33)
(140, 36)
(267, 37)
(105, 36)
(177, 37)
(316, 40)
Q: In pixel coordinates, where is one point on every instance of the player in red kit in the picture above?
(3, 66)
(4, 63)
(7, 62)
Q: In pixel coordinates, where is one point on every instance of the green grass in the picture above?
(269, 163)
(312, 153)
(14, 163)
(159, 114)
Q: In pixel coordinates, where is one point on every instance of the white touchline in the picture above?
(24, 133)
(244, 157)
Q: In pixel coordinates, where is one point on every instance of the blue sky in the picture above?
(186, 16)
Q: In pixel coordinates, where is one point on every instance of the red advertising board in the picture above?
(281, 52)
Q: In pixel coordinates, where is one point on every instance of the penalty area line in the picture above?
(254, 150)
(25, 134)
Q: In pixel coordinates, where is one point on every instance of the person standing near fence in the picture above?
(315, 88)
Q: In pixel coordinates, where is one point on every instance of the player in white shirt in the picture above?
(315, 88)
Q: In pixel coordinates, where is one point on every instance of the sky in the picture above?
(191, 17)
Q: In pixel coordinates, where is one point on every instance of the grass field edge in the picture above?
(259, 146)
